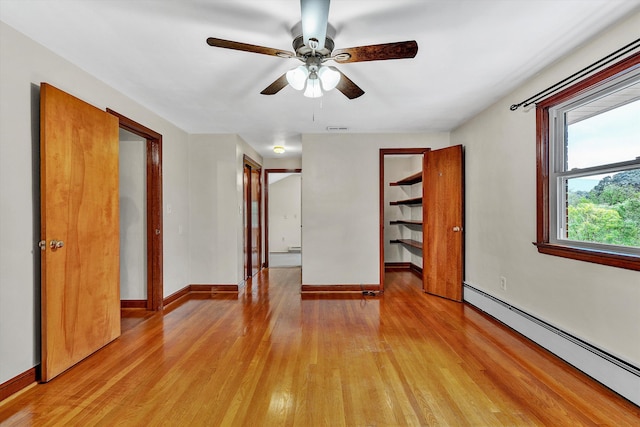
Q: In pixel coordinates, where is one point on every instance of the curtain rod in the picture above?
(572, 78)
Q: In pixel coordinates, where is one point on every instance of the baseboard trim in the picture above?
(214, 289)
(397, 266)
(133, 303)
(417, 270)
(311, 289)
(196, 291)
(177, 295)
(616, 374)
(403, 266)
(18, 383)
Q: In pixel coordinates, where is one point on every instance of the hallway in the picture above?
(273, 357)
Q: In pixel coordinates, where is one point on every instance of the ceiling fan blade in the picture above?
(227, 44)
(348, 87)
(315, 16)
(276, 86)
(376, 52)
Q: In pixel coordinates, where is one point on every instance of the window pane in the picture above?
(604, 208)
(604, 131)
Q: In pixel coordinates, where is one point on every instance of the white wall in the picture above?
(285, 213)
(213, 209)
(597, 303)
(23, 65)
(133, 216)
(340, 204)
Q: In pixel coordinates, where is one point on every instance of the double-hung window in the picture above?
(589, 169)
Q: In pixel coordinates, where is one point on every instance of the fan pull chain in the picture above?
(313, 114)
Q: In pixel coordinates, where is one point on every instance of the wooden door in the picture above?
(256, 229)
(252, 217)
(247, 220)
(80, 290)
(443, 223)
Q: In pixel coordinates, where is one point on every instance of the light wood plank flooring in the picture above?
(271, 357)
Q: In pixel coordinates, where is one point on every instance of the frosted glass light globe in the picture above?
(297, 77)
(329, 76)
(313, 88)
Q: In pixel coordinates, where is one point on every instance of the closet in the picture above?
(422, 216)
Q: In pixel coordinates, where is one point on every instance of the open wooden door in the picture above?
(80, 292)
(246, 218)
(256, 229)
(443, 209)
(252, 220)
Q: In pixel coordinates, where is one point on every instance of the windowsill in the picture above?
(612, 259)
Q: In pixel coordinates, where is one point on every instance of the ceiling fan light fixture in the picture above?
(313, 87)
(297, 77)
(329, 76)
(278, 149)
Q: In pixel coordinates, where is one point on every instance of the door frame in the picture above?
(266, 209)
(155, 286)
(389, 152)
(251, 165)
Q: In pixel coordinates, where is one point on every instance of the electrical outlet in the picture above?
(503, 283)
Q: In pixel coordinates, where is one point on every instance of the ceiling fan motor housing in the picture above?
(304, 51)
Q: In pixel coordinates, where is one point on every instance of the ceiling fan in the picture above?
(313, 48)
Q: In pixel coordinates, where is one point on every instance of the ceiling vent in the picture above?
(337, 128)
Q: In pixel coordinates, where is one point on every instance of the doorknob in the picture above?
(457, 229)
(56, 244)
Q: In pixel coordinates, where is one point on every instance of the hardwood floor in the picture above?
(271, 357)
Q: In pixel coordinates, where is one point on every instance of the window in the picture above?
(588, 169)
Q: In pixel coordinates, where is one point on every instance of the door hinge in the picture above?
(43, 245)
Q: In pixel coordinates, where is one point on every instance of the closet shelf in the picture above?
(410, 180)
(414, 201)
(408, 242)
(406, 222)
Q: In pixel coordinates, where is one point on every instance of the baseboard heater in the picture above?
(619, 375)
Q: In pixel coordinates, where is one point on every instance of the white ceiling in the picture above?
(471, 53)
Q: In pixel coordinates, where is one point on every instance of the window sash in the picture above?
(557, 114)
(561, 236)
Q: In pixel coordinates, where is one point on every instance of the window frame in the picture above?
(545, 226)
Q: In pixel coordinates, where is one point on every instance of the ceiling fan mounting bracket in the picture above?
(303, 51)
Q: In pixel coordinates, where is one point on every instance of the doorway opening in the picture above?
(145, 202)
(401, 213)
(434, 182)
(133, 219)
(252, 190)
(283, 221)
